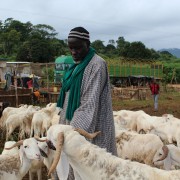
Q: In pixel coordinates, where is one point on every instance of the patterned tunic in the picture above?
(95, 112)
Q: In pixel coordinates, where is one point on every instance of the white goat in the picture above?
(36, 168)
(41, 120)
(9, 111)
(137, 147)
(37, 165)
(168, 156)
(11, 152)
(26, 122)
(91, 162)
(56, 116)
(21, 119)
(146, 122)
(139, 121)
(127, 118)
(170, 116)
(47, 153)
(168, 132)
(15, 167)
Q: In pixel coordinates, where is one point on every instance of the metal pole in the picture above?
(15, 84)
(47, 78)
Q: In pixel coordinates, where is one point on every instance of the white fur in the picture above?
(169, 132)
(91, 162)
(12, 151)
(137, 147)
(37, 165)
(21, 119)
(172, 159)
(41, 120)
(28, 151)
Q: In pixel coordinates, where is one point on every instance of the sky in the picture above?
(156, 23)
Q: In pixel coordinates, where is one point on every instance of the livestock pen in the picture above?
(16, 96)
(127, 72)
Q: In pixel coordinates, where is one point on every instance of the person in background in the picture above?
(154, 87)
(85, 96)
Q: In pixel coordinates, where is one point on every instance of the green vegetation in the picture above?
(171, 72)
(129, 69)
(39, 43)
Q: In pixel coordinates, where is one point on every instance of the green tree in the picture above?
(110, 50)
(112, 42)
(41, 45)
(12, 35)
(24, 53)
(36, 50)
(23, 28)
(98, 46)
(165, 56)
(154, 54)
(122, 46)
(9, 40)
(59, 47)
(138, 50)
(44, 31)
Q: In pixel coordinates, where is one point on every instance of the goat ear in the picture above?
(43, 154)
(167, 162)
(50, 145)
(21, 154)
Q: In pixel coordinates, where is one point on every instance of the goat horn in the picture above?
(16, 144)
(59, 145)
(38, 139)
(165, 150)
(86, 134)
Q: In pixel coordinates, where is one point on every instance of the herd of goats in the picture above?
(148, 147)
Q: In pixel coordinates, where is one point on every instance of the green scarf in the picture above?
(72, 82)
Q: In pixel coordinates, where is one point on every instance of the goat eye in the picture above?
(160, 154)
(25, 146)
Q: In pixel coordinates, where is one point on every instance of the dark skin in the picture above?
(78, 48)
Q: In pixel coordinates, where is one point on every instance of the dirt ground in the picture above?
(168, 103)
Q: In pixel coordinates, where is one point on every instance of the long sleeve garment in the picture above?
(95, 111)
(154, 88)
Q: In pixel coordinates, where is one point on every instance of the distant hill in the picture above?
(173, 51)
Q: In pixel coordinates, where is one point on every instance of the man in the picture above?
(85, 96)
(154, 87)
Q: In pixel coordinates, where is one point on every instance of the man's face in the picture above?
(78, 48)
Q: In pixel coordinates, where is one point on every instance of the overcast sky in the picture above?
(156, 23)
